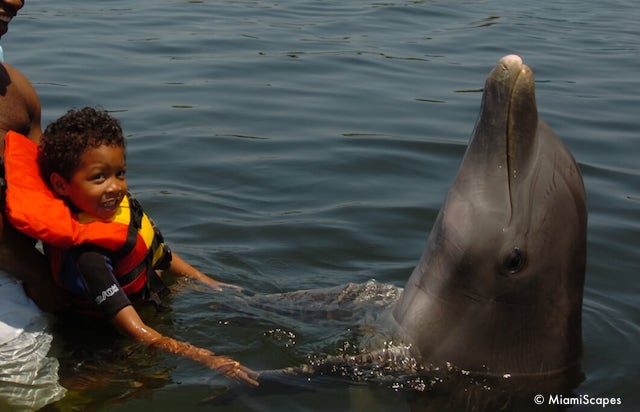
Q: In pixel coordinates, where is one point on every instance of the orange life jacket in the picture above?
(130, 239)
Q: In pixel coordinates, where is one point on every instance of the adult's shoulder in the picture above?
(22, 87)
(16, 76)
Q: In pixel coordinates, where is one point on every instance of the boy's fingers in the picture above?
(249, 376)
(235, 370)
(245, 377)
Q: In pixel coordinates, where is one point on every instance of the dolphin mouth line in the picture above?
(510, 142)
(509, 154)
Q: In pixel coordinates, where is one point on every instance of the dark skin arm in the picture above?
(26, 263)
(128, 322)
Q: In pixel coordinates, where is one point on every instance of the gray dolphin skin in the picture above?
(498, 289)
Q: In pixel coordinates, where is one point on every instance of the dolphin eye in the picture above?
(514, 262)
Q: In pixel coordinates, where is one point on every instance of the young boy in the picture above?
(103, 250)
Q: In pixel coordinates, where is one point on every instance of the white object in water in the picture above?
(28, 378)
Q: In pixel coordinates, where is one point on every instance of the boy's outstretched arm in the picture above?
(128, 322)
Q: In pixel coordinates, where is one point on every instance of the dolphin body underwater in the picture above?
(497, 294)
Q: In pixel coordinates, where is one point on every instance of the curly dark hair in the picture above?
(66, 139)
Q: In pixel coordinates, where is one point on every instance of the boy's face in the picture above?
(98, 185)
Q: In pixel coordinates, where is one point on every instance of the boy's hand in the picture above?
(233, 370)
(218, 286)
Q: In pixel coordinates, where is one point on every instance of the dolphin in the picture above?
(496, 297)
(498, 290)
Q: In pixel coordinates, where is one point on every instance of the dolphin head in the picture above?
(498, 290)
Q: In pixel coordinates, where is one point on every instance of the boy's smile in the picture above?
(98, 185)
